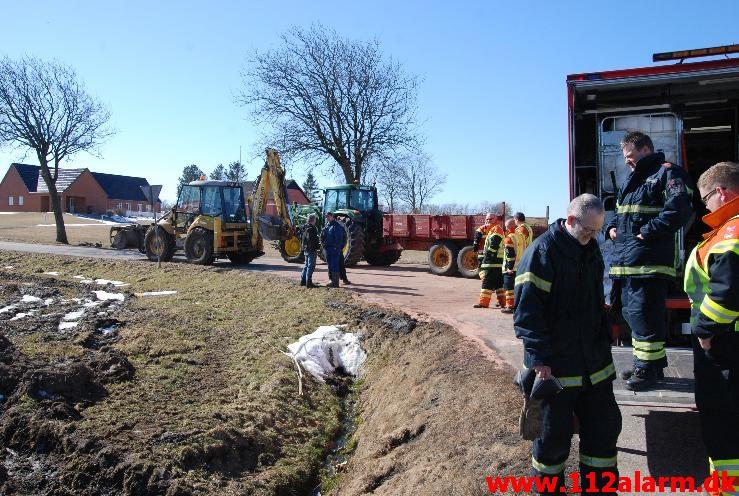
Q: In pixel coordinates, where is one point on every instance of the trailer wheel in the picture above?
(159, 242)
(443, 258)
(467, 262)
(384, 259)
(199, 246)
(290, 250)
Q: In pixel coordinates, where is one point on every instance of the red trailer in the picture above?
(448, 239)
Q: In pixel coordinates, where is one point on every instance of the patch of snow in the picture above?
(87, 281)
(92, 304)
(156, 293)
(7, 309)
(104, 296)
(76, 225)
(76, 315)
(79, 277)
(30, 299)
(327, 349)
(67, 325)
(51, 273)
(19, 316)
(108, 330)
(8, 267)
(48, 301)
(103, 282)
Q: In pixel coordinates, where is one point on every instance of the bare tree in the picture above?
(332, 99)
(44, 107)
(389, 178)
(419, 181)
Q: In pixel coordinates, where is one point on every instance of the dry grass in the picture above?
(35, 227)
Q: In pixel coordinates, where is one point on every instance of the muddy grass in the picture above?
(190, 393)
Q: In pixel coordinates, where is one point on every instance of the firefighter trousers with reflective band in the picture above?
(717, 399)
(644, 311)
(491, 282)
(509, 281)
(600, 424)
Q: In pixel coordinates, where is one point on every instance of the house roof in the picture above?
(121, 187)
(116, 187)
(29, 174)
(65, 178)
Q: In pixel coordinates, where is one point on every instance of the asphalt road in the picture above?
(660, 435)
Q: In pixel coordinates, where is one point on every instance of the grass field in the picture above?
(193, 395)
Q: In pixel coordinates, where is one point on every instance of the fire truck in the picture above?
(690, 111)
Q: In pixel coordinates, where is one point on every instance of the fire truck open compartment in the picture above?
(691, 111)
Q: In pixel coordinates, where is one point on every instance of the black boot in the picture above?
(334, 277)
(626, 374)
(311, 284)
(643, 379)
(345, 281)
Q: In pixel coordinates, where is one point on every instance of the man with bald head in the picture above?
(560, 317)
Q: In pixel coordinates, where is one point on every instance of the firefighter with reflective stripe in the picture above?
(712, 283)
(491, 267)
(514, 247)
(478, 241)
(651, 207)
(523, 228)
(561, 318)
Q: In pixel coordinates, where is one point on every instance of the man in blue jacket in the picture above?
(651, 207)
(561, 318)
(333, 236)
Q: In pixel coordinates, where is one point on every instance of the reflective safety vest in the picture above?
(515, 244)
(528, 234)
(492, 252)
(479, 239)
(711, 281)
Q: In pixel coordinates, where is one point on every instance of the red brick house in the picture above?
(81, 191)
(295, 194)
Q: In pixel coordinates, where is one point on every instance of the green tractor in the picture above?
(355, 208)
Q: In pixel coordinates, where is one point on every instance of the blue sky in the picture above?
(492, 98)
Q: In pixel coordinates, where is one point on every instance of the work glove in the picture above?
(482, 274)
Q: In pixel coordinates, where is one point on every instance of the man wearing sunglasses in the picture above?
(712, 283)
(651, 207)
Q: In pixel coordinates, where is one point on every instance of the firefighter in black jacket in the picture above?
(651, 207)
(560, 316)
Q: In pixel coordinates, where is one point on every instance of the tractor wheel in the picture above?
(353, 250)
(159, 243)
(290, 250)
(241, 258)
(443, 258)
(384, 259)
(199, 246)
(467, 262)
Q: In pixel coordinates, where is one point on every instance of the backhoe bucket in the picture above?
(272, 228)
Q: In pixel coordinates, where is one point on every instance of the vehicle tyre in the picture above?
(291, 251)
(199, 246)
(159, 242)
(241, 258)
(467, 262)
(353, 250)
(443, 258)
(384, 259)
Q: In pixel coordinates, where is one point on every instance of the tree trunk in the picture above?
(56, 205)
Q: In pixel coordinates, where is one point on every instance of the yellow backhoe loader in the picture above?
(210, 219)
